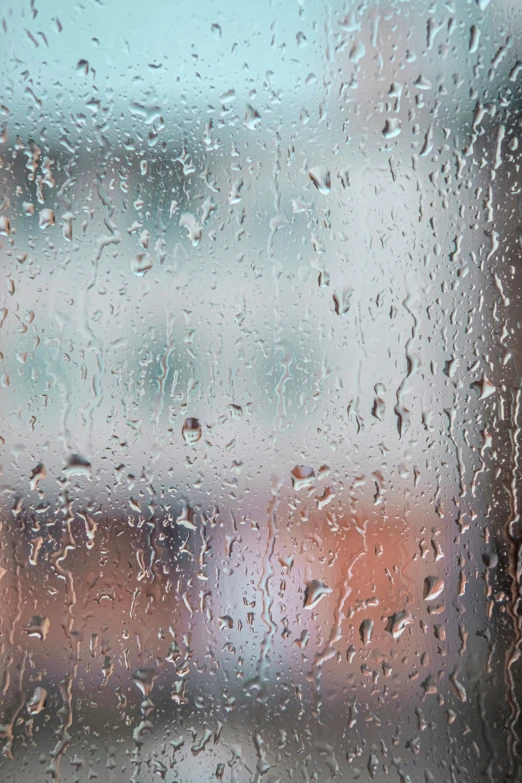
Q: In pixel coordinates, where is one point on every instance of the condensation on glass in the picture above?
(260, 391)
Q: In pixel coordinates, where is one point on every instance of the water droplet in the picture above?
(144, 679)
(398, 623)
(392, 128)
(366, 631)
(433, 587)
(321, 178)
(252, 118)
(315, 590)
(302, 476)
(38, 626)
(37, 701)
(46, 218)
(191, 430)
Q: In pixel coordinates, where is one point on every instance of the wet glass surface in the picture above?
(260, 386)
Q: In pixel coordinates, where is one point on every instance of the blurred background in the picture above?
(260, 391)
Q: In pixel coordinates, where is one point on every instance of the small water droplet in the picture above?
(191, 430)
(392, 128)
(38, 626)
(398, 623)
(366, 630)
(321, 178)
(315, 590)
(46, 218)
(37, 701)
(433, 587)
(302, 476)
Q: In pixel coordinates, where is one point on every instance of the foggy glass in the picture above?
(260, 391)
